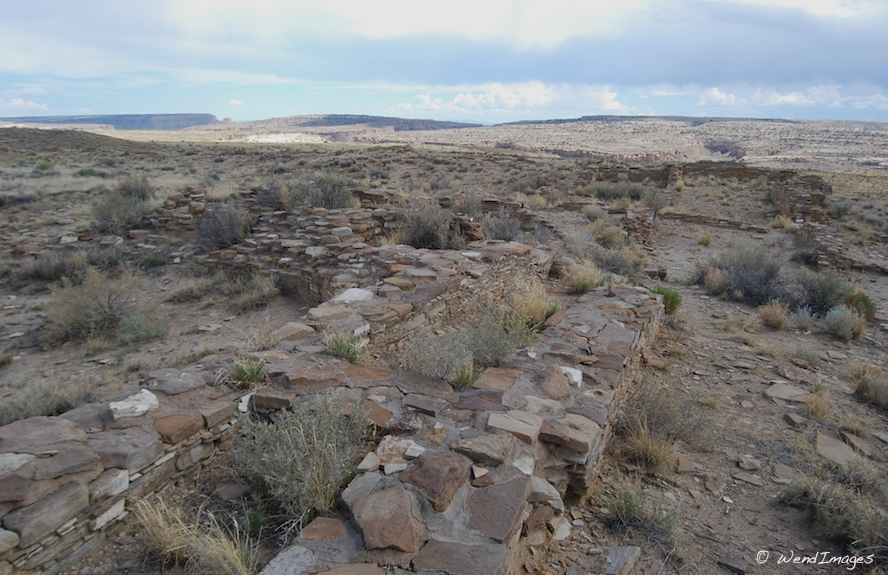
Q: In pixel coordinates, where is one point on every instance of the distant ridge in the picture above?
(398, 124)
(124, 121)
(693, 120)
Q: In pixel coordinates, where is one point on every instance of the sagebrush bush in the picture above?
(275, 195)
(303, 458)
(501, 226)
(531, 301)
(116, 211)
(137, 187)
(607, 235)
(94, 308)
(671, 298)
(448, 356)
(53, 266)
(750, 274)
(616, 191)
(773, 315)
(844, 323)
(428, 227)
(628, 508)
(873, 388)
(658, 412)
(594, 213)
(46, 397)
(803, 319)
(326, 190)
(818, 291)
(246, 293)
(220, 226)
(862, 303)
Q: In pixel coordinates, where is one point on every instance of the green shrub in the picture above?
(247, 372)
(671, 298)
(303, 459)
(220, 226)
(751, 274)
(429, 227)
(137, 187)
(594, 213)
(844, 323)
(607, 235)
(818, 291)
(616, 191)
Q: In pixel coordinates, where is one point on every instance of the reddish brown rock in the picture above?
(461, 559)
(571, 431)
(323, 529)
(556, 386)
(363, 376)
(390, 518)
(497, 378)
(496, 511)
(35, 521)
(379, 415)
(439, 475)
(176, 428)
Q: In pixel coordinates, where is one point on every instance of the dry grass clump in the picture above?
(844, 323)
(124, 207)
(583, 277)
(615, 191)
(628, 508)
(175, 540)
(43, 397)
(345, 346)
(325, 190)
(448, 356)
(302, 459)
(594, 213)
(818, 403)
(802, 319)
(781, 222)
(714, 281)
(536, 202)
(53, 266)
(99, 307)
(532, 302)
(607, 235)
(502, 226)
(249, 292)
(870, 384)
(773, 315)
(705, 240)
(221, 225)
(841, 514)
(862, 303)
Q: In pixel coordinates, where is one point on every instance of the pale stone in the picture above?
(354, 295)
(369, 463)
(8, 540)
(541, 491)
(574, 375)
(112, 482)
(114, 512)
(525, 464)
(522, 424)
(134, 405)
(9, 462)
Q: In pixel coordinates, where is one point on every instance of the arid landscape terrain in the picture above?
(356, 346)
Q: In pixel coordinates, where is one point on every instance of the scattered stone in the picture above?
(439, 475)
(353, 295)
(324, 528)
(294, 560)
(490, 449)
(526, 464)
(369, 463)
(794, 419)
(38, 520)
(425, 404)
(749, 463)
(574, 375)
(461, 559)
(541, 491)
(392, 468)
(881, 436)
(8, 540)
(522, 424)
(171, 381)
(834, 450)
(748, 478)
(496, 511)
(786, 392)
(134, 405)
(292, 331)
(390, 518)
(497, 378)
(176, 428)
(479, 472)
(561, 528)
(621, 560)
(859, 444)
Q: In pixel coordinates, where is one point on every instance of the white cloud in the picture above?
(715, 96)
(23, 105)
(822, 8)
(505, 98)
(525, 23)
(235, 103)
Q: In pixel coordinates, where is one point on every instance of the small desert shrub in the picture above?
(43, 166)
(465, 377)
(536, 202)
(625, 261)
(839, 513)
(629, 509)
(502, 226)
(46, 397)
(646, 449)
(53, 266)
(714, 281)
(275, 195)
(116, 212)
(773, 315)
(818, 404)
(220, 226)
(303, 459)
(249, 292)
(247, 372)
(195, 290)
(138, 327)
(844, 323)
(705, 240)
(428, 227)
(751, 274)
(348, 347)
(5, 360)
(532, 303)
(446, 356)
(583, 277)
(617, 191)
(873, 388)
(594, 213)
(225, 551)
(327, 190)
(803, 319)
(859, 301)
(818, 291)
(94, 308)
(607, 235)
(472, 204)
(671, 298)
(137, 187)
(781, 222)
(657, 412)
(90, 173)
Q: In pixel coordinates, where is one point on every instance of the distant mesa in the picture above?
(124, 121)
(397, 124)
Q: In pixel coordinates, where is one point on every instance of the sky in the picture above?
(484, 61)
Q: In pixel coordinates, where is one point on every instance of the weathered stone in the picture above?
(171, 381)
(365, 376)
(294, 560)
(439, 475)
(130, 449)
(111, 514)
(461, 559)
(189, 456)
(73, 459)
(487, 449)
(748, 478)
(480, 400)
(176, 428)
(425, 404)
(390, 518)
(749, 463)
(324, 528)
(215, 413)
(556, 385)
(110, 483)
(786, 392)
(231, 490)
(8, 540)
(37, 520)
(496, 511)
(353, 295)
(377, 414)
(91, 417)
(621, 560)
(541, 491)
(292, 331)
(859, 444)
(10, 462)
(303, 380)
(39, 435)
(571, 431)
(835, 451)
(794, 419)
(497, 378)
(573, 375)
(560, 528)
(523, 425)
(354, 569)
(134, 405)
(369, 463)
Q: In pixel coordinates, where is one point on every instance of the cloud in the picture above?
(235, 103)
(716, 97)
(23, 105)
(821, 8)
